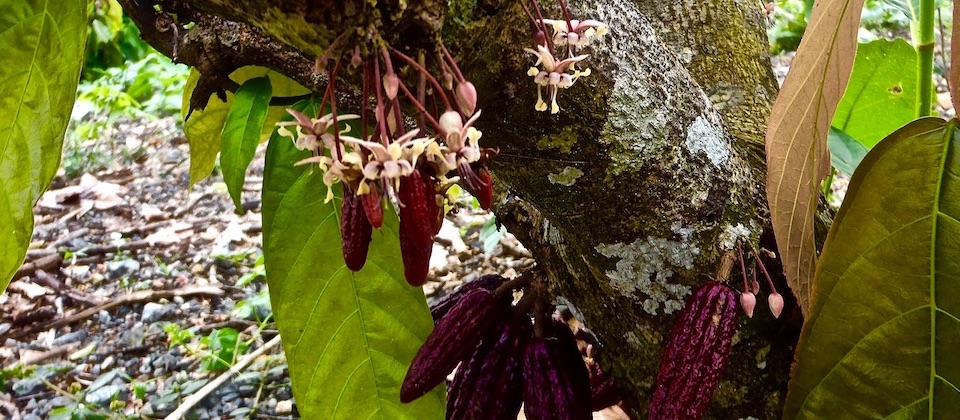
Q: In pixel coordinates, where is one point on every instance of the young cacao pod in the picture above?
(696, 353)
(556, 384)
(444, 304)
(453, 339)
(373, 207)
(484, 192)
(488, 385)
(355, 231)
(418, 218)
(603, 393)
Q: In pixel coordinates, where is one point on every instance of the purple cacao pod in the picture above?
(489, 384)
(556, 382)
(355, 231)
(696, 353)
(444, 304)
(603, 393)
(453, 339)
(418, 222)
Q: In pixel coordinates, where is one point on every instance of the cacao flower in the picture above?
(748, 301)
(489, 384)
(444, 304)
(453, 339)
(696, 353)
(775, 300)
(556, 382)
(418, 218)
(355, 231)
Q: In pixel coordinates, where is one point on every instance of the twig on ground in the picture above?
(220, 380)
(48, 263)
(142, 296)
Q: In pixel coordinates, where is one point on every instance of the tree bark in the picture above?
(631, 196)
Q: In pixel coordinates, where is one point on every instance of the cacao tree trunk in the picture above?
(636, 192)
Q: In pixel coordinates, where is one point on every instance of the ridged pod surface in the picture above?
(696, 353)
(603, 393)
(488, 385)
(418, 219)
(355, 231)
(373, 207)
(556, 382)
(444, 304)
(453, 339)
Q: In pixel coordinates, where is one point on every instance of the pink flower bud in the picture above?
(391, 84)
(450, 122)
(776, 304)
(356, 60)
(467, 97)
(748, 301)
(447, 80)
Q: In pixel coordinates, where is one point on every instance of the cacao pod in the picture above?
(696, 353)
(484, 192)
(355, 231)
(418, 218)
(443, 305)
(373, 207)
(603, 393)
(453, 339)
(488, 385)
(556, 382)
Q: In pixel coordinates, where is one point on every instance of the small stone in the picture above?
(284, 407)
(122, 268)
(153, 312)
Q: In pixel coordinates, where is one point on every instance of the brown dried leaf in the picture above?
(797, 155)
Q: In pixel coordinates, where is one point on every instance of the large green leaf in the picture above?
(845, 151)
(42, 45)
(241, 134)
(279, 172)
(204, 126)
(348, 337)
(881, 97)
(884, 328)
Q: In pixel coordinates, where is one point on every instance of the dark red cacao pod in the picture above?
(444, 304)
(418, 219)
(556, 382)
(453, 339)
(696, 353)
(373, 207)
(488, 385)
(603, 393)
(484, 192)
(355, 231)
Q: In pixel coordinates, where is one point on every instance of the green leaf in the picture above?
(884, 328)
(349, 337)
(279, 173)
(204, 126)
(224, 345)
(42, 44)
(845, 151)
(241, 134)
(881, 97)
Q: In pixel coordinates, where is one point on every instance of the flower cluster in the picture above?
(505, 360)
(748, 298)
(378, 154)
(549, 72)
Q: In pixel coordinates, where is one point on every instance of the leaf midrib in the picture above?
(23, 93)
(948, 141)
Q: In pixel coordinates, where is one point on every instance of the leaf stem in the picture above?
(925, 48)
